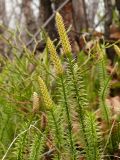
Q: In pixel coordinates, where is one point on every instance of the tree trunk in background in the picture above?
(45, 12)
(92, 7)
(79, 15)
(30, 19)
(3, 21)
(108, 19)
(118, 7)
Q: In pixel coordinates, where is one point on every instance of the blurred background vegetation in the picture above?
(95, 18)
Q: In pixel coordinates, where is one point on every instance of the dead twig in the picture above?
(48, 153)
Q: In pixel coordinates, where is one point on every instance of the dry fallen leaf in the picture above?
(114, 104)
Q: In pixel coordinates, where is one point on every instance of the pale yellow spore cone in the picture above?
(35, 102)
(45, 94)
(54, 57)
(63, 34)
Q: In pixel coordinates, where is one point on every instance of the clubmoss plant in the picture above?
(58, 122)
(49, 104)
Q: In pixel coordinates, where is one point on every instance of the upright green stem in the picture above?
(57, 134)
(80, 110)
(104, 83)
(68, 118)
(20, 156)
